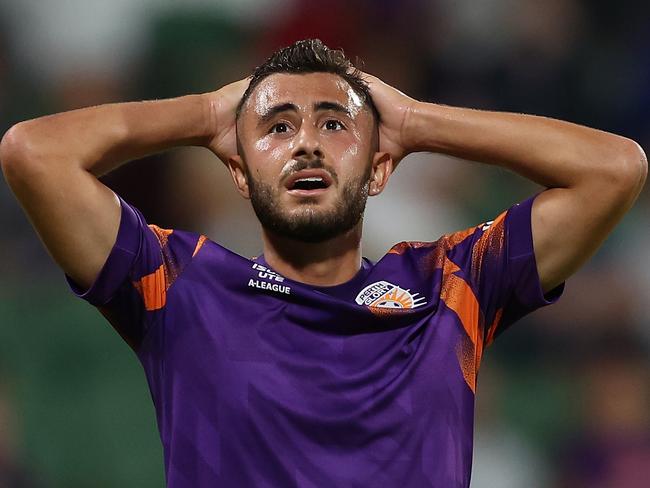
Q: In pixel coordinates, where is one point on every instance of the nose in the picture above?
(308, 143)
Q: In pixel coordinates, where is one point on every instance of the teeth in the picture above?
(311, 178)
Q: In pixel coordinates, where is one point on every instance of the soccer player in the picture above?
(311, 366)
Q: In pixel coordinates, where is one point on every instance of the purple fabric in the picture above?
(522, 259)
(260, 381)
(119, 262)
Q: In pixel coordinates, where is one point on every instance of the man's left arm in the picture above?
(592, 177)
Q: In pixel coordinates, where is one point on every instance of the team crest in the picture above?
(383, 294)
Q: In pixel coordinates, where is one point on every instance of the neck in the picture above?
(325, 263)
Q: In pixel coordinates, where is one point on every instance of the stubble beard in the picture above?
(309, 223)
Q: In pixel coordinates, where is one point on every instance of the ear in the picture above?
(382, 168)
(236, 167)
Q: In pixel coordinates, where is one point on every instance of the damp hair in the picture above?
(311, 56)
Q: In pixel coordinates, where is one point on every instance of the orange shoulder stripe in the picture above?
(199, 245)
(459, 297)
(161, 234)
(153, 289)
(493, 328)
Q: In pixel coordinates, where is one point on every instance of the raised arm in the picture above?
(592, 177)
(52, 164)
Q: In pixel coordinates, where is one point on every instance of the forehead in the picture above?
(302, 90)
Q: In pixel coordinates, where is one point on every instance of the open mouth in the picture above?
(308, 181)
(312, 183)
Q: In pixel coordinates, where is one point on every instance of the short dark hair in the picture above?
(311, 56)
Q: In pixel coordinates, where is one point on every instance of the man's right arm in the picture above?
(52, 164)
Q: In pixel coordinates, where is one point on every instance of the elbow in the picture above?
(13, 149)
(636, 167)
(16, 155)
(630, 170)
(642, 160)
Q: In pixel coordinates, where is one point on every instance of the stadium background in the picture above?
(562, 397)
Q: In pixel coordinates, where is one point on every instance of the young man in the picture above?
(310, 365)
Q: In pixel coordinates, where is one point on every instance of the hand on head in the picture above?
(223, 106)
(395, 109)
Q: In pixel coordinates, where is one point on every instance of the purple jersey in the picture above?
(261, 381)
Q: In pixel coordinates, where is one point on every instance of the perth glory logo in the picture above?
(383, 294)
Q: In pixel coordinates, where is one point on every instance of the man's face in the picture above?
(306, 146)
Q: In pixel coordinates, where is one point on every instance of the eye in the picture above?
(333, 124)
(278, 128)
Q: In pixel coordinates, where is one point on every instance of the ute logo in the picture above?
(383, 294)
(268, 280)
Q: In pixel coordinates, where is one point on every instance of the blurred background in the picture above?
(563, 396)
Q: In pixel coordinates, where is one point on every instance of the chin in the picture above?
(313, 206)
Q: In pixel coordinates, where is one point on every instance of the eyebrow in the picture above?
(333, 106)
(276, 109)
(291, 107)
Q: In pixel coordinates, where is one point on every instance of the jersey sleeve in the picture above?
(132, 286)
(495, 261)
